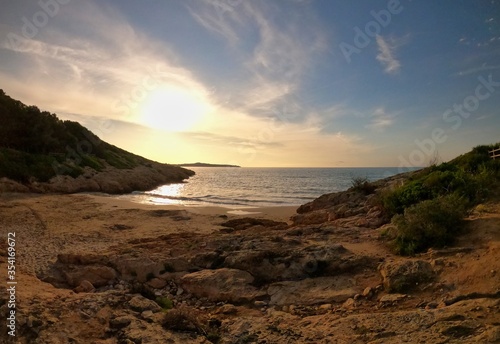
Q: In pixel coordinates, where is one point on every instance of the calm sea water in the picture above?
(256, 187)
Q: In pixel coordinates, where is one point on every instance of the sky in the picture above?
(275, 83)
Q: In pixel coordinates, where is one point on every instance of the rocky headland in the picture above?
(94, 270)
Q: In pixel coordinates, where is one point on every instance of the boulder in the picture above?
(402, 276)
(84, 287)
(140, 269)
(97, 275)
(229, 285)
(312, 291)
(140, 304)
(392, 298)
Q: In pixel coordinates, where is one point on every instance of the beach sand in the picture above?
(47, 225)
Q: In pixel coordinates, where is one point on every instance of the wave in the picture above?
(220, 200)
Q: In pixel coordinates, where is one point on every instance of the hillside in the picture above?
(41, 153)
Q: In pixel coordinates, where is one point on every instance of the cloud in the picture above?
(386, 56)
(276, 55)
(381, 120)
(101, 66)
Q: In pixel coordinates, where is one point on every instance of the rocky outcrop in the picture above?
(250, 222)
(228, 285)
(356, 207)
(403, 276)
(110, 180)
(98, 276)
(312, 291)
(344, 209)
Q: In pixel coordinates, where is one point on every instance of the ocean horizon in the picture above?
(248, 187)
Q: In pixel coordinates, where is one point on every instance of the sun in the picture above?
(172, 108)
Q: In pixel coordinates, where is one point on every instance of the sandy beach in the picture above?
(85, 222)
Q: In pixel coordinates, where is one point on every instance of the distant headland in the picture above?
(202, 164)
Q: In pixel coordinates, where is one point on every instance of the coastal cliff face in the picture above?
(92, 272)
(109, 180)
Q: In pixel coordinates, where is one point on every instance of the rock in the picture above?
(121, 321)
(227, 309)
(392, 298)
(140, 304)
(311, 218)
(230, 285)
(176, 265)
(260, 303)
(248, 222)
(84, 287)
(98, 276)
(8, 185)
(405, 275)
(157, 283)
(140, 269)
(147, 315)
(431, 305)
(350, 303)
(274, 264)
(82, 259)
(116, 180)
(326, 306)
(368, 292)
(490, 335)
(312, 291)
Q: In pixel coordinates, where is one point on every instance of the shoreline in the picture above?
(282, 213)
(112, 202)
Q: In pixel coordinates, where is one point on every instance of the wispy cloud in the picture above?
(386, 56)
(381, 120)
(276, 54)
(105, 69)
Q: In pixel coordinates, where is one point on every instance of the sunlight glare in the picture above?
(173, 109)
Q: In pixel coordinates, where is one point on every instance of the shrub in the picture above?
(431, 223)
(164, 302)
(186, 319)
(190, 319)
(362, 184)
(396, 201)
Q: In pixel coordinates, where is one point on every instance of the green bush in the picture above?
(396, 201)
(430, 223)
(362, 184)
(164, 302)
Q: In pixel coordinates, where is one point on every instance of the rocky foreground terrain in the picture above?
(93, 271)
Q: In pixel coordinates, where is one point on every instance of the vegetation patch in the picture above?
(362, 185)
(428, 210)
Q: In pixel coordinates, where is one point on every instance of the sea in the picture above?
(257, 187)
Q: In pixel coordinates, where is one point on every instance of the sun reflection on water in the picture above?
(171, 194)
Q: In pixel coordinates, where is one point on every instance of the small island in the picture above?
(202, 164)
